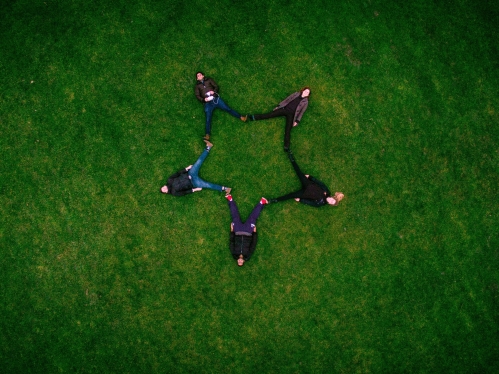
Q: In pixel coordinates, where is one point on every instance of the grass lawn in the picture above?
(100, 273)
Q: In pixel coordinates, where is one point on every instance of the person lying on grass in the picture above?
(313, 192)
(187, 180)
(292, 108)
(206, 91)
(243, 235)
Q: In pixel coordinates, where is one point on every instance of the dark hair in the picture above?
(199, 72)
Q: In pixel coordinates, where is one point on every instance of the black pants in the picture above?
(281, 112)
(303, 180)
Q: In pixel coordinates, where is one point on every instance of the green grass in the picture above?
(101, 273)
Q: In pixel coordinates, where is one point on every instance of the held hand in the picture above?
(307, 175)
(295, 124)
(188, 167)
(297, 199)
(275, 108)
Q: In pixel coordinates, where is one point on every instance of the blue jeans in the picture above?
(210, 106)
(194, 171)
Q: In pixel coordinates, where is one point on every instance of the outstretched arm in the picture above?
(254, 239)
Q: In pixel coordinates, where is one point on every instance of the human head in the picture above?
(164, 189)
(240, 260)
(199, 76)
(305, 92)
(335, 200)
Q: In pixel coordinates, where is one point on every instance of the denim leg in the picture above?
(194, 171)
(221, 104)
(208, 109)
(201, 183)
(196, 180)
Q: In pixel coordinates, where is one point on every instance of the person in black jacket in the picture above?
(206, 91)
(243, 235)
(292, 108)
(187, 180)
(313, 192)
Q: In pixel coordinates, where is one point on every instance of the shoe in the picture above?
(208, 144)
(263, 201)
(244, 118)
(227, 190)
(228, 197)
(251, 117)
(206, 137)
(272, 201)
(286, 149)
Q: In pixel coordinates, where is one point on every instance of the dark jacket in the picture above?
(201, 88)
(315, 193)
(300, 109)
(179, 184)
(242, 245)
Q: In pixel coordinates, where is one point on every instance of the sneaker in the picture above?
(208, 144)
(228, 197)
(263, 201)
(227, 190)
(244, 118)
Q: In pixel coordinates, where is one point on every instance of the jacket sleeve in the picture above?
(311, 202)
(199, 93)
(177, 174)
(320, 184)
(232, 243)
(300, 110)
(210, 82)
(287, 100)
(182, 192)
(254, 239)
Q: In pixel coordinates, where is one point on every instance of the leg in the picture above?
(194, 171)
(292, 195)
(208, 109)
(303, 179)
(198, 182)
(221, 104)
(254, 214)
(234, 214)
(287, 131)
(276, 113)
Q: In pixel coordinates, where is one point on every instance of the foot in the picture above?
(272, 201)
(251, 117)
(227, 190)
(206, 137)
(228, 197)
(263, 201)
(286, 149)
(244, 118)
(208, 144)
